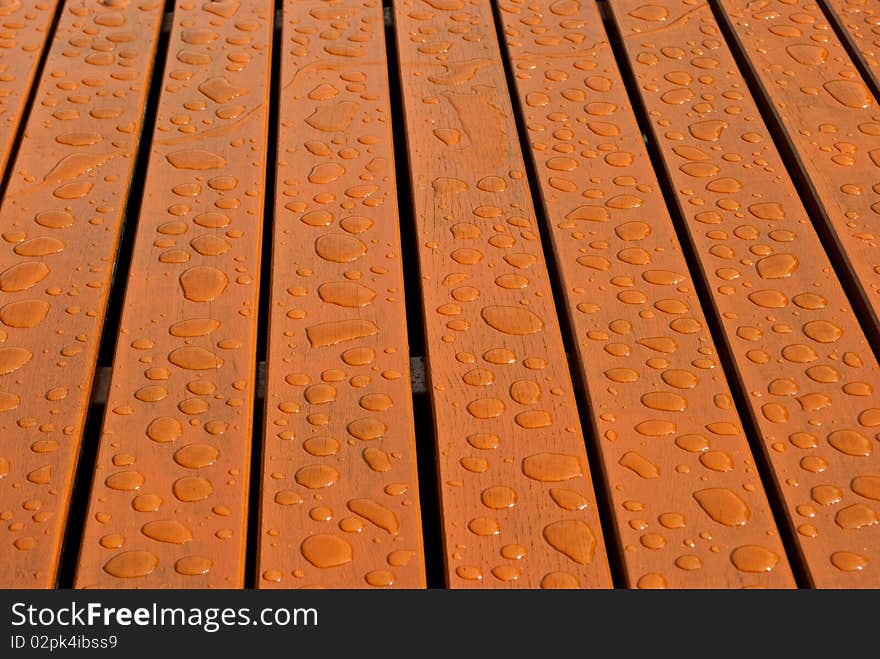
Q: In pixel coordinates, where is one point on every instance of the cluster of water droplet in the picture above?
(61, 219)
(688, 504)
(515, 486)
(168, 501)
(340, 502)
(804, 344)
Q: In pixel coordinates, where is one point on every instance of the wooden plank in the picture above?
(518, 507)
(340, 503)
(809, 373)
(25, 28)
(60, 220)
(689, 508)
(828, 119)
(168, 506)
(859, 23)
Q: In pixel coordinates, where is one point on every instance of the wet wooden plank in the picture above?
(828, 118)
(168, 506)
(60, 220)
(340, 501)
(813, 382)
(518, 506)
(859, 22)
(25, 27)
(689, 508)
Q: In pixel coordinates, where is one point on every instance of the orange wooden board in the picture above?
(25, 28)
(813, 382)
(60, 222)
(859, 20)
(518, 506)
(169, 497)
(689, 508)
(831, 120)
(340, 500)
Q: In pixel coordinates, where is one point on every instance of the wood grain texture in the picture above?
(340, 498)
(22, 42)
(518, 506)
(689, 508)
(168, 506)
(60, 221)
(859, 21)
(830, 119)
(811, 377)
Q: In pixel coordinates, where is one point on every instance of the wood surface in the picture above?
(60, 220)
(689, 508)
(169, 497)
(801, 357)
(340, 497)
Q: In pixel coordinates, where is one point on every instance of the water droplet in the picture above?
(325, 551)
(574, 538)
(486, 408)
(753, 558)
(808, 54)
(533, 419)
(777, 266)
(664, 400)
(316, 476)
(24, 314)
(196, 456)
(723, 505)
(192, 566)
(850, 442)
(822, 331)
(203, 283)
(346, 294)
(12, 359)
(131, 564)
(22, 276)
(856, 516)
(498, 497)
(193, 327)
(848, 561)
(195, 359)
(849, 93)
(125, 480)
(867, 486)
(551, 467)
(192, 488)
(375, 513)
(367, 429)
(339, 247)
(167, 531)
(512, 320)
(221, 90)
(331, 333)
(196, 159)
(639, 464)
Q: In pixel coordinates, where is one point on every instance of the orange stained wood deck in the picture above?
(439, 293)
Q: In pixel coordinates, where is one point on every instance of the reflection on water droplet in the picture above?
(169, 531)
(849, 93)
(850, 442)
(375, 513)
(203, 283)
(723, 505)
(574, 538)
(848, 561)
(551, 467)
(639, 464)
(512, 320)
(131, 564)
(325, 551)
